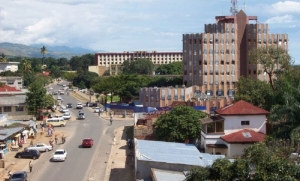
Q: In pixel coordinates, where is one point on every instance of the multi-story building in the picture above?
(216, 59)
(112, 62)
(16, 82)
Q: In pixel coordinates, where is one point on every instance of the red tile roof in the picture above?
(6, 88)
(241, 108)
(244, 136)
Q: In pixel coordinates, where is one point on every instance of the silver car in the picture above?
(40, 147)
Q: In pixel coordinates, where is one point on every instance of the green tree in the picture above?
(43, 52)
(26, 66)
(139, 66)
(258, 93)
(274, 61)
(174, 68)
(35, 97)
(84, 79)
(220, 170)
(180, 124)
(3, 58)
(198, 174)
(69, 76)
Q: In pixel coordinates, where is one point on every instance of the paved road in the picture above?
(82, 163)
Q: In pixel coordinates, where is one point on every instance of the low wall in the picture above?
(144, 132)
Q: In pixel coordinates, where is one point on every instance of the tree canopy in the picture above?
(180, 124)
(35, 97)
(139, 66)
(174, 68)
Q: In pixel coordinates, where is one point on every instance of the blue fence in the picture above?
(138, 109)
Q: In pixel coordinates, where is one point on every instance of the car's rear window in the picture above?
(59, 153)
(17, 175)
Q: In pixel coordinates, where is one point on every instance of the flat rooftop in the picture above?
(170, 152)
(163, 175)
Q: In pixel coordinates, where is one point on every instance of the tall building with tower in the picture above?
(216, 58)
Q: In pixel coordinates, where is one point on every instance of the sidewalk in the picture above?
(120, 165)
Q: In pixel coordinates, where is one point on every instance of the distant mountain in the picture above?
(19, 50)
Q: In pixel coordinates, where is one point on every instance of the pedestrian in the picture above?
(9, 174)
(30, 166)
(99, 113)
(111, 120)
(56, 139)
(51, 142)
(63, 139)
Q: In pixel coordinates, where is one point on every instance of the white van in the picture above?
(57, 121)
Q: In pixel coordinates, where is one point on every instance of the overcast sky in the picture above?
(131, 25)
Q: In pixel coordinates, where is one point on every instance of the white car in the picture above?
(63, 109)
(98, 109)
(40, 147)
(59, 155)
(79, 106)
(66, 116)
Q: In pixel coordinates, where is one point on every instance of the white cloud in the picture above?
(286, 7)
(281, 19)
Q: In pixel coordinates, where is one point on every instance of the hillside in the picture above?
(19, 50)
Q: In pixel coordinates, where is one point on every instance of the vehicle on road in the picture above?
(81, 115)
(40, 147)
(58, 121)
(79, 106)
(91, 104)
(87, 142)
(34, 154)
(59, 155)
(98, 109)
(69, 105)
(63, 109)
(55, 93)
(66, 116)
(18, 176)
(64, 85)
(59, 98)
(61, 92)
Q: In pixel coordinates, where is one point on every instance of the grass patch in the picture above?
(129, 133)
(114, 99)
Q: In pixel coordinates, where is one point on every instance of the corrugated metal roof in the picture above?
(13, 100)
(169, 152)
(26, 123)
(5, 133)
(165, 175)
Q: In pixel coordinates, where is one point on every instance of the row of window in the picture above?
(269, 41)
(136, 59)
(227, 41)
(142, 56)
(119, 63)
(9, 109)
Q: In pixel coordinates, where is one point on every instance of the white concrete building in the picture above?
(12, 66)
(233, 129)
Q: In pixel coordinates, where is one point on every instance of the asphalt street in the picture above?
(82, 164)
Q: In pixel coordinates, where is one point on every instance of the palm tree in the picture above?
(26, 66)
(43, 52)
(2, 58)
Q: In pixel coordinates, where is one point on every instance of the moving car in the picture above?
(69, 105)
(79, 106)
(66, 116)
(63, 109)
(40, 147)
(58, 121)
(59, 155)
(18, 176)
(87, 142)
(98, 109)
(55, 93)
(34, 154)
(81, 115)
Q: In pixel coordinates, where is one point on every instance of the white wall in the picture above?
(235, 150)
(233, 123)
(9, 66)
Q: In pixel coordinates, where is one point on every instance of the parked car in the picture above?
(34, 154)
(67, 116)
(69, 105)
(91, 104)
(81, 115)
(87, 142)
(40, 147)
(18, 176)
(79, 106)
(59, 155)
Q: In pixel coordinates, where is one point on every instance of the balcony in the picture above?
(213, 125)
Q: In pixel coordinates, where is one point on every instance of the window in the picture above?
(6, 109)
(245, 123)
(19, 108)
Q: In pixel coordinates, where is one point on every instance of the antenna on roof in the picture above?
(233, 8)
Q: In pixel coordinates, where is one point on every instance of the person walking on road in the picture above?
(111, 120)
(56, 139)
(30, 166)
